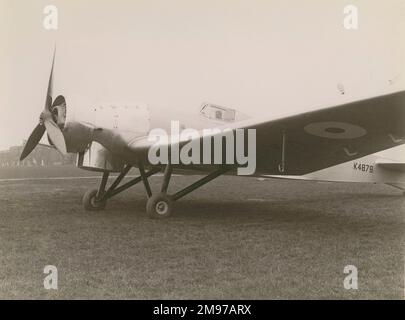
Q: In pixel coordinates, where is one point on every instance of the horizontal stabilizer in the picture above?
(392, 166)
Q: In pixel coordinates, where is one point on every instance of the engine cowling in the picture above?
(134, 118)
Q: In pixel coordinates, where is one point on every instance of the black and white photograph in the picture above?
(201, 150)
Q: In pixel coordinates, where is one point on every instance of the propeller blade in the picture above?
(48, 101)
(56, 135)
(46, 123)
(33, 140)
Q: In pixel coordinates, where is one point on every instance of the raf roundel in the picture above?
(335, 130)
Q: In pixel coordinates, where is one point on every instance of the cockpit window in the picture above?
(212, 111)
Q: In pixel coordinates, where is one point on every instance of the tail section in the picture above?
(375, 168)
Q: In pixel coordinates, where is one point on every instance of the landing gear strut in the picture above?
(92, 199)
(96, 199)
(159, 205)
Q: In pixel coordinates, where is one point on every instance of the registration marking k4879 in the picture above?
(363, 167)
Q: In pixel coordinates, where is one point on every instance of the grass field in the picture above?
(234, 238)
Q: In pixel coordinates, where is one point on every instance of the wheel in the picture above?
(159, 206)
(90, 202)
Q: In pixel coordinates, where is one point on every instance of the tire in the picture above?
(159, 206)
(90, 203)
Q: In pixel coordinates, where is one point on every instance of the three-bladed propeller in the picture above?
(46, 123)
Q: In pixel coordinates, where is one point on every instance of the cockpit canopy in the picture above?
(221, 114)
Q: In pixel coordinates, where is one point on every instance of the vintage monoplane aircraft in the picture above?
(117, 138)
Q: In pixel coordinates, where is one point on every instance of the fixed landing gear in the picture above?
(91, 203)
(159, 205)
(92, 199)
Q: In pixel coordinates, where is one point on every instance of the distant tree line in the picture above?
(42, 155)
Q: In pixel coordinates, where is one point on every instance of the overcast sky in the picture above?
(261, 57)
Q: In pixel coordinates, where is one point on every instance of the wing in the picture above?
(298, 144)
